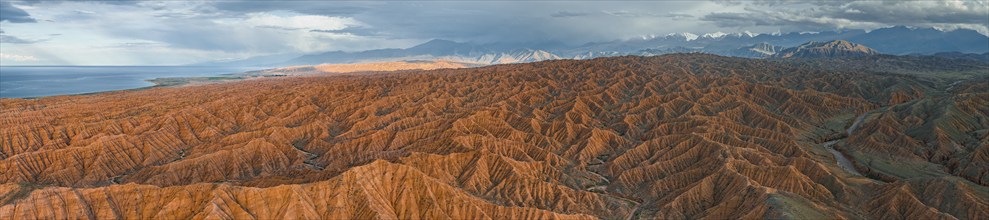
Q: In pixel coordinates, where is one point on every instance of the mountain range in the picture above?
(898, 40)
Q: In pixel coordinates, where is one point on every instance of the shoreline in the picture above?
(305, 70)
(163, 82)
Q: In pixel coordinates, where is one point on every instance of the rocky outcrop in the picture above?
(829, 49)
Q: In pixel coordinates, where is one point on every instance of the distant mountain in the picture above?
(757, 50)
(899, 40)
(902, 40)
(432, 50)
(830, 49)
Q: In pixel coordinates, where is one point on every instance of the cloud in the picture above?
(174, 32)
(957, 12)
(15, 40)
(353, 30)
(626, 13)
(340, 8)
(13, 14)
(300, 22)
(18, 58)
(563, 14)
(479, 22)
(637, 14)
(137, 44)
(756, 17)
(4, 38)
(818, 15)
(678, 16)
(487, 22)
(200, 28)
(780, 2)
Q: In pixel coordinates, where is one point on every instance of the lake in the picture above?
(38, 81)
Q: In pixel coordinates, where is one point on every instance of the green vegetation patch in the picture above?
(177, 81)
(898, 168)
(785, 206)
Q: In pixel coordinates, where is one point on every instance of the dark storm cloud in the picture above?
(971, 12)
(462, 21)
(487, 21)
(818, 15)
(13, 14)
(753, 18)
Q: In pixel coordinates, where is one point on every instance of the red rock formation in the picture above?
(682, 136)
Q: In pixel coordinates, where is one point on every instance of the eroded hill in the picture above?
(677, 136)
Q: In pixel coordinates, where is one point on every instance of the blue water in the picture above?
(20, 82)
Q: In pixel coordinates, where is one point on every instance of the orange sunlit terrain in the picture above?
(681, 136)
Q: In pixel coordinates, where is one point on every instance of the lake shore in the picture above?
(38, 82)
(342, 69)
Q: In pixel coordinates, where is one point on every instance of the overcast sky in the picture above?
(181, 32)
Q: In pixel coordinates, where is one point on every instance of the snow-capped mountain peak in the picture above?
(686, 35)
(718, 34)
